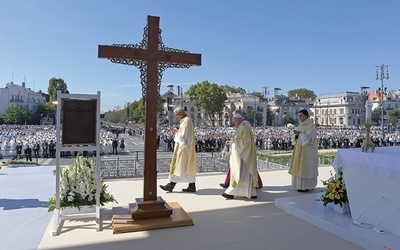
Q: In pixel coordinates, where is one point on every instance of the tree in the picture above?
(231, 89)
(287, 119)
(210, 97)
(116, 115)
(136, 111)
(394, 116)
(301, 93)
(376, 116)
(16, 114)
(54, 85)
(249, 114)
(270, 117)
(43, 110)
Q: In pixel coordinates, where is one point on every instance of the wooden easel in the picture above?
(76, 140)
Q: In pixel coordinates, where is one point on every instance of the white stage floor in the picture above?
(309, 208)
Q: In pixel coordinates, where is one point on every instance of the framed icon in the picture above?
(79, 122)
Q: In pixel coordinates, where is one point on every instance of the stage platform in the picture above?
(310, 208)
(219, 224)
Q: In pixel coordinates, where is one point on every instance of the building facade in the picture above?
(282, 106)
(340, 109)
(388, 101)
(260, 111)
(19, 95)
(234, 102)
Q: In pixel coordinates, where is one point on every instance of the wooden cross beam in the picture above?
(156, 60)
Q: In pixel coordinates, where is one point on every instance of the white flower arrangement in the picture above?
(78, 186)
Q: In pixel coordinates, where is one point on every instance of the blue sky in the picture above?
(325, 46)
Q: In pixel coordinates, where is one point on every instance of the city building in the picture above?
(260, 111)
(340, 109)
(20, 95)
(235, 101)
(388, 100)
(282, 106)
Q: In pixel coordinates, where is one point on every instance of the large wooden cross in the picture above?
(151, 57)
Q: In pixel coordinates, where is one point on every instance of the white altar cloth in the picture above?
(372, 182)
(384, 161)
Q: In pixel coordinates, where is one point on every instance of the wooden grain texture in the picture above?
(122, 221)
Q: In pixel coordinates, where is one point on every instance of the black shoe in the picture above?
(191, 188)
(227, 196)
(253, 197)
(302, 190)
(224, 185)
(169, 187)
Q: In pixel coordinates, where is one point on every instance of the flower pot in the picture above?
(74, 210)
(344, 209)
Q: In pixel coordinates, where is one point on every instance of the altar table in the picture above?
(373, 187)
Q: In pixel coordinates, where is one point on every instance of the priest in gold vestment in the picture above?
(183, 166)
(304, 162)
(243, 161)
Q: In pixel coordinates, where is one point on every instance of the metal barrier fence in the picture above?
(128, 167)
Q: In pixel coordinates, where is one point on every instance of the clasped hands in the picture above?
(173, 130)
(296, 132)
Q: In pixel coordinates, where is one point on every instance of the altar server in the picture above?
(304, 162)
(183, 166)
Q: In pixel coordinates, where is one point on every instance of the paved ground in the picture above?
(219, 223)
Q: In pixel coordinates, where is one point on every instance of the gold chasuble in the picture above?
(304, 163)
(184, 157)
(243, 154)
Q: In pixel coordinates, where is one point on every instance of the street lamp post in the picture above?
(382, 77)
(254, 111)
(364, 97)
(266, 93)
(315, 112)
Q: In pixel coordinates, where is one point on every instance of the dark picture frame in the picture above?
(79, 122)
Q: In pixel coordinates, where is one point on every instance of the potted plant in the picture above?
(335, 191)
(78, 186)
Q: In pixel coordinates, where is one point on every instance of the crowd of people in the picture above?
(38, 141)
(14, 139)
(186, 139)
(213, 139)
